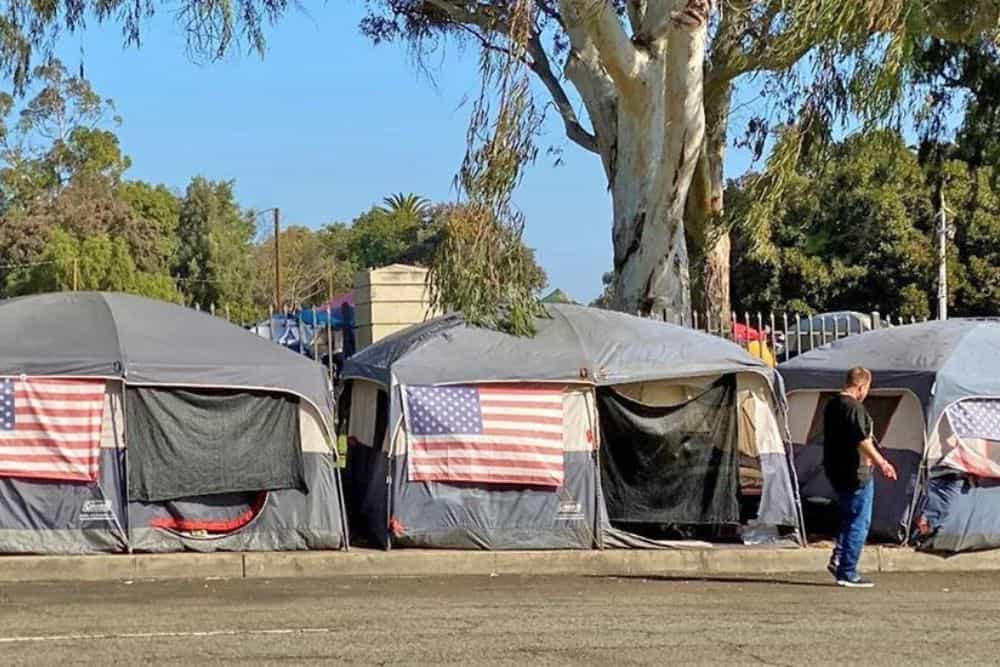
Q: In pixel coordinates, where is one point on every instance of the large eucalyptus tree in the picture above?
(654, 78)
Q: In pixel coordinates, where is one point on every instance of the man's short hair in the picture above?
(857, 377)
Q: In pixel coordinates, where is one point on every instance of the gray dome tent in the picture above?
(441, 412)
(227, 435)
(936, 404)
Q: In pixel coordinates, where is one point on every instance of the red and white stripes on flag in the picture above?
(976, 446)
(50, 428)
(494, 434)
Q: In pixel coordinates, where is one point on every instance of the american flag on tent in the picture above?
(496, 434)
(50, 428)
(976, 422)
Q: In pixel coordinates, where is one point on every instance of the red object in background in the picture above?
(744, 334)
(336, 302)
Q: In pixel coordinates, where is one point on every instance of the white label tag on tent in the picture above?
(569, 511)
(96, 510)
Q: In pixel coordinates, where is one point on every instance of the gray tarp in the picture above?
(940, 362)
(148, 342)
(575, 344)
(184, 443)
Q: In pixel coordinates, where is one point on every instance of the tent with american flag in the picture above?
(602, 429)
(128, 424)
(935, 402)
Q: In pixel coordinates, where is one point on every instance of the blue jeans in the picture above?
(855, 519)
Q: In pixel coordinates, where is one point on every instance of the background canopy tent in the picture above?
(602, 429)
(314, 332)
(227, 435)
(936, 407)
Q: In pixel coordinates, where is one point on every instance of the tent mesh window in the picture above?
(663, 468)
(183, 443)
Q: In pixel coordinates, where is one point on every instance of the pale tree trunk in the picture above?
(644, 96)
(650, 251)
(715, 267)
(653, 84)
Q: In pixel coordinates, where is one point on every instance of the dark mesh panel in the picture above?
(671, 465)
(185, 443)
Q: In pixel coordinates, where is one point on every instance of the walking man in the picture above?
(849, 452)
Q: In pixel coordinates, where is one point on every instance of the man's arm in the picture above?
(869, 449)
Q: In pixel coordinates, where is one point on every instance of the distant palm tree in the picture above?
(408, 206)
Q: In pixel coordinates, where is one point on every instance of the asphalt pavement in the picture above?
(790, 620)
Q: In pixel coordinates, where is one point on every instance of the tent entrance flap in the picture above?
(195, 443)
(675, 465)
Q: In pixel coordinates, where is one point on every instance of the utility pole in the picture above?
(942, 260)
(76, 273)
(277, 260)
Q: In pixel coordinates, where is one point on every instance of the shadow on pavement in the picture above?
(722, 580)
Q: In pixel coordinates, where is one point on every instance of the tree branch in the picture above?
(600, 97)
(636, 14)
(596, 23)
(664, 16)
(473, 13)
(538, 63)
(542, 68)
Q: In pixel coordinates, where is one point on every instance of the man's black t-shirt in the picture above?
(846, 423)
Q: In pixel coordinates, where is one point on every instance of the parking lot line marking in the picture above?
(26, 639)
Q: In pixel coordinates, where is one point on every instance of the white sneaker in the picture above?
(857, 582)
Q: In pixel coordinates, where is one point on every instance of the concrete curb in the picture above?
(691, 563)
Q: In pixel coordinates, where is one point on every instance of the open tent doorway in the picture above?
(898, 429)
(700, 458)
(670, 470)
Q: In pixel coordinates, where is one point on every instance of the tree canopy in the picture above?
(857, 230)
(71, 218)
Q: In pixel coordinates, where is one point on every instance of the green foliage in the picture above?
(380, 238)
(857, 230)
(56, 137)
(96, 262)
(406, 207)
(482, 267)
(68, 216)
(159, 209)
(335, 239)
(823, 61)
(305, 268)
(483, 270)
(214, 259)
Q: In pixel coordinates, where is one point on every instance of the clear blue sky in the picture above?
(327, 124)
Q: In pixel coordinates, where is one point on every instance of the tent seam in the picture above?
(122, 359)
(579, 339)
